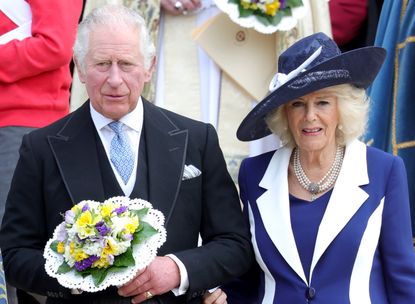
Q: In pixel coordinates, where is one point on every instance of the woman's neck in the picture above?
(316, 163)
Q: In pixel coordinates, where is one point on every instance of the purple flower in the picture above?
(128, 237)
(110, 259)
(69, 217)
(282, 4)
(120, 210)
(85, 263)
(102, 228)
(61, 233)
(85, 207)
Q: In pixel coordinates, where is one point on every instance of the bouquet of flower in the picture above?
(103, 244)
(265, 16)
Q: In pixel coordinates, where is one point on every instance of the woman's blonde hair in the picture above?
(353, 105)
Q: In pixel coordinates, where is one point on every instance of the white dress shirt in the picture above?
(133, 125)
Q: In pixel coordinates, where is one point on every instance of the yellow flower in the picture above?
(85, 224)
(85, 219)
(76, 209)
(71, 247)
(245, 5)
(79, 255)
(272, 8)
(102, 262)
(106, 210)
(132, 224)
(110, 248)
(61, 247)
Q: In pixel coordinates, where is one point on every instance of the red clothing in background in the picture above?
(347, 19)
(34, 73)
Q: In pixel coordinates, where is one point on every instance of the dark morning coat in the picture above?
(60, 165)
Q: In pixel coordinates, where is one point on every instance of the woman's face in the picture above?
(312, 120)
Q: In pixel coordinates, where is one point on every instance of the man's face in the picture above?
(113, 71)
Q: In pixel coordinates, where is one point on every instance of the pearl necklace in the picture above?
(328, 179)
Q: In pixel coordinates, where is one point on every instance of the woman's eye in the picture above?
(323, 102)
(297, 104)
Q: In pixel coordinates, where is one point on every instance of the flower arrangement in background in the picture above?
(97, 240)
(265, 16)
(268, 12)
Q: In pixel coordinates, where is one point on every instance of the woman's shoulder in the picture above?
(377, 155)
(254, 167)
(381, 161)
(263, 158)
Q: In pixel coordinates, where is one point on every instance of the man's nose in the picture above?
(114, 77)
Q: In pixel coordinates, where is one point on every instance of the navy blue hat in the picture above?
(312, 63)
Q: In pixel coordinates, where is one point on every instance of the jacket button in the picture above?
(310, 293)
(195, 294)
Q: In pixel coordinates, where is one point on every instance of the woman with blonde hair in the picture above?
(329, 216)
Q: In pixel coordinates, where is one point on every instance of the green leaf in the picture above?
(293, 3)
(144, 233)
(140, 212)
(245, 13)
(99, 275)
(64, 268)
(277, 18)
(125, 259)
(264, 20)
(234, 1)
(287, 12)
(54, 246)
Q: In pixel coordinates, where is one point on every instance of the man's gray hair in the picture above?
(112, 16)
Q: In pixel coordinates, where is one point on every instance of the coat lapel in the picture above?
(274, 208)
(166, 152)
(74, 148)
(347, 197)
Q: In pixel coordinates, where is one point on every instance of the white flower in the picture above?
(94, 248)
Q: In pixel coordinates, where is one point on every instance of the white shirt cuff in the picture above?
(184, 278)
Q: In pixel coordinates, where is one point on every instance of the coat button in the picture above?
(310, 293)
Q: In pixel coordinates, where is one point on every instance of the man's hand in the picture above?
(216, 297)
(161, 276)
(179, 7)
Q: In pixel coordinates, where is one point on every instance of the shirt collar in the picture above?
(134, 119)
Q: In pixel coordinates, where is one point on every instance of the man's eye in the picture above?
(126, 66)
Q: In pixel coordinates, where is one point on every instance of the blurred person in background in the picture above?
(36, 39)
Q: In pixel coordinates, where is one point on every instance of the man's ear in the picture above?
(149, 73)
(79, 68)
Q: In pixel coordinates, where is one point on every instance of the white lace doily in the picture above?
(143, 253)
(286, 23)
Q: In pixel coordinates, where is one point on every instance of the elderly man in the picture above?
(173, 162)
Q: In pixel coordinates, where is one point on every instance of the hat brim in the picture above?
(358, 67)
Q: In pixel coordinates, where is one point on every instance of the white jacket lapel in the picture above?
(345, 200)
(274, 208)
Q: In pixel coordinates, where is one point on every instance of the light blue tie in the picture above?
(121, 154)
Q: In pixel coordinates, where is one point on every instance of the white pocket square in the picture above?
(190, 171)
